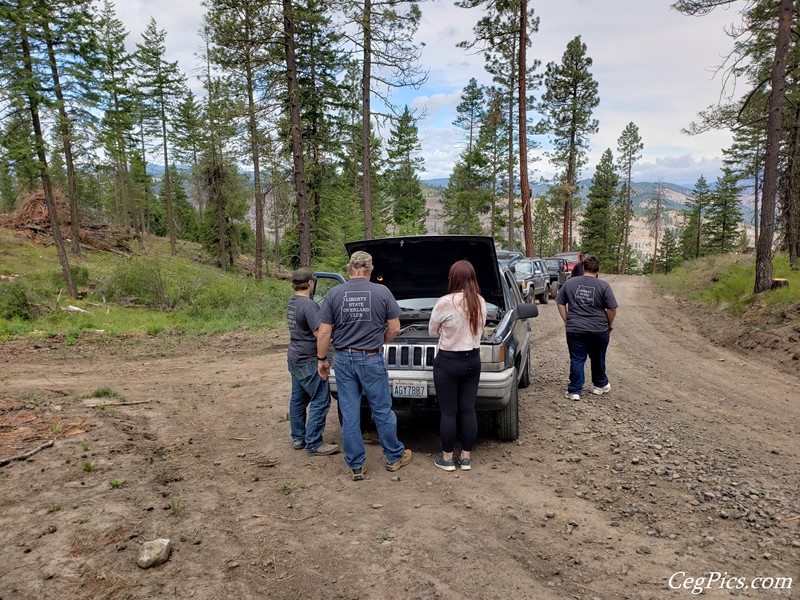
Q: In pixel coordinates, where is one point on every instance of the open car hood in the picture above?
(417, 266)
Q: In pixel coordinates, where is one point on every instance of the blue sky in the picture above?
(653, 66)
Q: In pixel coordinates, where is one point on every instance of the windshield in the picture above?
(551, 264)
(523, 267)
(571, 257)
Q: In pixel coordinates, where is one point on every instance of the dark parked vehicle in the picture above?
(507, 258)
(533, 279)
(415, 270)
(557, 269)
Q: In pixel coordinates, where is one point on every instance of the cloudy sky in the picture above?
(654, 67)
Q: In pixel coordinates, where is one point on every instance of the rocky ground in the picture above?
(689, 468)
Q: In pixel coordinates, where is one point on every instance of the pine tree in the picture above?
(467, 194)
(566, 106)
(595, 226)
(470, 112)
(404, 187)
(724, 216)
(162, 86)
(692, 238)
(629, 148)
(669, 253)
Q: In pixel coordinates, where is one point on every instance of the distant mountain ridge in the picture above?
(676, 194)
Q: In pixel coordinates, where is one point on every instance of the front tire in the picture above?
(508, 417)
(545, 297)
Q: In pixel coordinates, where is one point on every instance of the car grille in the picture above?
(403, 356)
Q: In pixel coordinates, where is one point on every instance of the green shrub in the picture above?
(139, 281)
(13, 301)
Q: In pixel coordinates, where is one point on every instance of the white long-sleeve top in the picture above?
(450, 322)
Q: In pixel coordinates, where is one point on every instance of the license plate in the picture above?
(409, 389)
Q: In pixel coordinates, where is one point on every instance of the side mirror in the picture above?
(526, 311)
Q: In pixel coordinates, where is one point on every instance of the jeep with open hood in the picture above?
(415, 269)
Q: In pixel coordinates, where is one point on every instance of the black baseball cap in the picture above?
(302, 275)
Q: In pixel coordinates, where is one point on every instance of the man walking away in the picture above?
(361, 316)
(588, 308)
(310, 392)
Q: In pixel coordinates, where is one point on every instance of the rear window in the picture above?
(571, 257)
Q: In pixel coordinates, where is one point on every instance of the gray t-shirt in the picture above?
(358, 311)
(587, 299)
(302, 315)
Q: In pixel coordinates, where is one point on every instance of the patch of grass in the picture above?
(176, 507)
(145, 294)
(85, 446)
(161, 452)
(726, 283)
(117, 483)
(52, 507)
(387, 537)
(55, 428)
(88, 467)
(290, 486)
(104, 393)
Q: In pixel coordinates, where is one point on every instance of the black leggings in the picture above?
(456, 376)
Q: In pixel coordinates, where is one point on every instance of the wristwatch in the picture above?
(322, 358)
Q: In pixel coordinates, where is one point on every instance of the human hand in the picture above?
(323, 369)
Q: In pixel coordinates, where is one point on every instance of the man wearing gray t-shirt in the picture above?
(360, 316)
(588, 307)
(310, 400)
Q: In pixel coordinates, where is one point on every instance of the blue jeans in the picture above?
(357, 375)
(581, 345)
(309, 391)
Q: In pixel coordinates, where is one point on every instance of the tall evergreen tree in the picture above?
(24, 78)
(724, 217)
(116, 102)
(162, 86)
(692, 241)
(470, 112)
(566, 106)
(595, 225)
(467, 194)
(655, 216)
(629, 148)
(404, 187)
(668, 253)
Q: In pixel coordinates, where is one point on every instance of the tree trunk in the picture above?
(511, 224)
(66, 140)
(524, 187)
(294, 125)
(42, 157)
(626, 226)
(763, 280)
(259, 199)
(366, 140)
(167, 186)
(655, 243)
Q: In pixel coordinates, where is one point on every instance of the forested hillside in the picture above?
(294, 141)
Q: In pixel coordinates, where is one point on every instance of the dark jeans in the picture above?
(581, 345)
(456, 376)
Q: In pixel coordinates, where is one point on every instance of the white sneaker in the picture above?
(569, 396)
(599, 391)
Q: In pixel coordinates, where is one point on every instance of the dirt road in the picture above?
(690, 465)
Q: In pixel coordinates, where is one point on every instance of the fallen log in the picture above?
(25, 455)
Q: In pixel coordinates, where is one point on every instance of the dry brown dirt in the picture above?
(691, 464)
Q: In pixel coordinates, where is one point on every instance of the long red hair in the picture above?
(462, 278)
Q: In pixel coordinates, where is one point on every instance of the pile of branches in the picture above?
(33, 219)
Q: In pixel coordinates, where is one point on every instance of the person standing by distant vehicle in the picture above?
(458, 320)
(588, 308)
(309, 391)
(360, 316)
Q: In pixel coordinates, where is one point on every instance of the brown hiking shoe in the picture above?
(324, 450)
(360, 473)
(404, 460)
